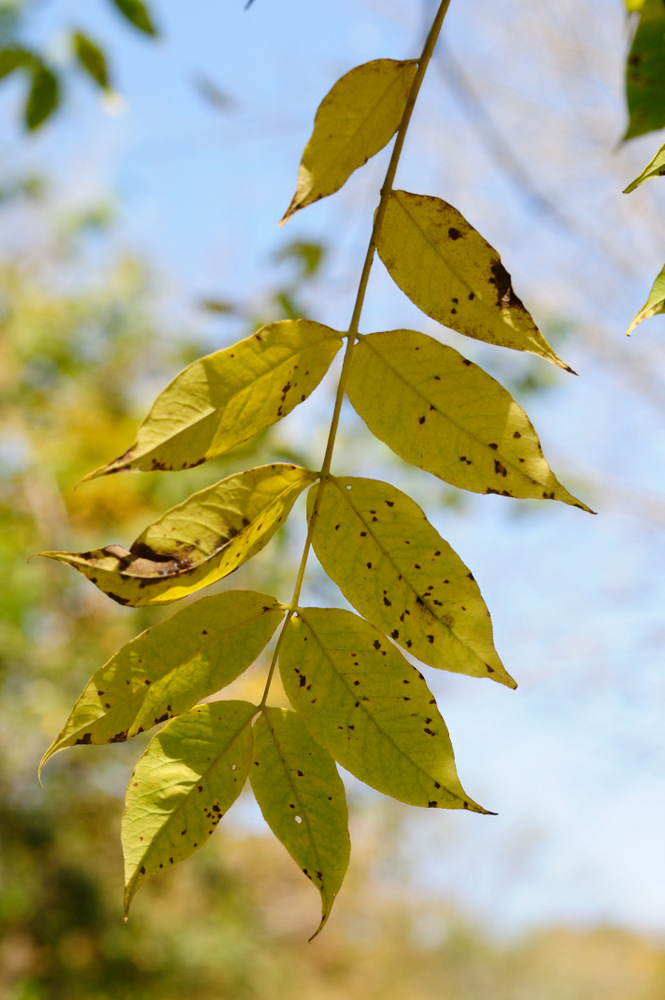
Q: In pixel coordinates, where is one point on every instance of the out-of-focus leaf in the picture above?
(169, 667)
(12, 59)
(43, 98)
(354, 121)
(654, 305)
(190, 775)
(302, 799)
(441, 412)
(397, 571)
(645, 72)
(655, 168)
(199, 541)
(372, 710)
(91, 58)
(228, 397)
(137, 13)
(450, 272)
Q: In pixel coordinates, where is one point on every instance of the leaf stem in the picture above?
(352, 335)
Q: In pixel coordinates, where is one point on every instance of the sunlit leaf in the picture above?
(190, 775)
(645, 72)
(199, 541)
(227, 397)
(43, 98)
(441, 412)
(372, 710)
(655, 168)
(450, 272)
(171, 666)
(354, 121)
(654, 304)
(91, 58)
(397, 571)
(137, 13)
(302, 799)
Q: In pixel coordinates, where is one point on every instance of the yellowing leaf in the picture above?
(199, 541)
(372, 710)
(450, 272)
(171, 666)
(302, 799)
(655, 168)
(190, 775)
(228, 397)
(645, 72)
(654, 304)
(444, 414)
(397, 571)
(354, 121)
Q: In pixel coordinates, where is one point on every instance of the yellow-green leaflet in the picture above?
(354, 121)
(190, 775)
(441, 412)
(302, 799)
(199, 541)
(171, 666)
(655, 168)
(397, 571)
(450, 272)
(228, 397)
(372, 710)
(654, 304)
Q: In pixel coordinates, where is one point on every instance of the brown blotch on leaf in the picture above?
(84, 740)
(506, 298)
(432, 805)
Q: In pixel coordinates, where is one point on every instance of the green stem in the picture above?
(352, 335)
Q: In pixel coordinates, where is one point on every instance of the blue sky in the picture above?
(574, 760)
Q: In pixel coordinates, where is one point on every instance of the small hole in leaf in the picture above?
(298, 819)
(234, 767)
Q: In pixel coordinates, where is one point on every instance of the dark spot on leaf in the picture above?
(363, 534)
(408, 644)
(421, 420)
(432, 805)
(390, 503)
(84, 740)
(453, 233)
(142, 870)
(499, 468)
(506, 298)
(517, 434)
(387, 602)
(394, 634)
(303, 680)
(117, 599)
(376, 644)
(466, 362)
(429, 731)
(369, 565)
(204, 631)
(430, 638)
(119, 737)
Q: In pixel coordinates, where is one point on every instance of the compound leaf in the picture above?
(655, 168)
(654, 304)
(43, 97)
(397, 571)
(171, 666)
(190, 775)
(137, 13)
(198, 542)
(228, 397)
(302, 799)
(92, 59)
(450, 272)
(441, 412)
(354, 121)
(372, 710)
(645, 72)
